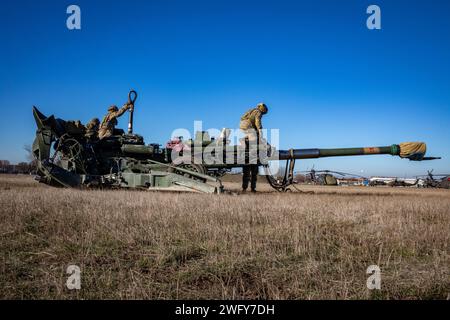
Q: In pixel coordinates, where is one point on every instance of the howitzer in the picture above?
(67, 157)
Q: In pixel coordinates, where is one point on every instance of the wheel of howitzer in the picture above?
(71, 150)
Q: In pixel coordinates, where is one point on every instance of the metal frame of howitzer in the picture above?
(124, 161)
(69, 172)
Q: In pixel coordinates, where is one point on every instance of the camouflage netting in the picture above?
(413, 150)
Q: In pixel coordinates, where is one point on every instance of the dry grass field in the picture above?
(148, 245)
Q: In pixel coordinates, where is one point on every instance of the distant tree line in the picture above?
(21, 167)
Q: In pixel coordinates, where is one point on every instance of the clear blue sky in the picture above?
(327, 79)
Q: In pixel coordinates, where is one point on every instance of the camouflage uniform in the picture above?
(251, 126)
(74, 127)
(249, 173)
(92, 128)
(251, 123)
(109, 122)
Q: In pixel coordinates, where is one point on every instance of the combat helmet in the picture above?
(113, 108)
(262, 107)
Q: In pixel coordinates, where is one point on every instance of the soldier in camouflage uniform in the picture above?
(92, 128)
(109, 122)
(252, 127)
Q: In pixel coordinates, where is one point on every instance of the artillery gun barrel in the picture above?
(412, 151)
(337, 152)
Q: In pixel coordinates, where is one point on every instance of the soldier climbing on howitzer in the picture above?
(251, 126)
(109, 122)
(92, 128)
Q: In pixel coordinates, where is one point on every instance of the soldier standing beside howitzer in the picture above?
(109, 122)
(251, 126)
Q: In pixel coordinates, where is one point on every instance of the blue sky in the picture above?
(327, 79)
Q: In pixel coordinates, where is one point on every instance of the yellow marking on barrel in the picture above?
(371, 150)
